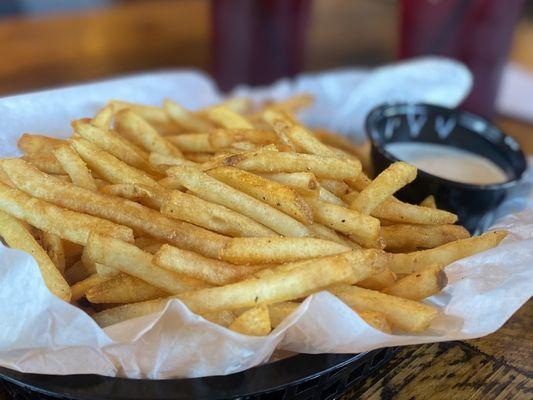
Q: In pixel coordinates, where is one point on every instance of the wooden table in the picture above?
(59, 50)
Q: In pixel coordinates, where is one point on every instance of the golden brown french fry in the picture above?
(184, 118)
(103, 118)
(344, 220)
(32, 145)
(419, 285)
(123, 288)
(79, 289)
(415, 237)
(192, 142)
(122, 211)
(74, 166)
(240, 105)
(199, 158)
(205, 269)
(16, 235)
(322, 232)
(328, 197)
(140, 132)
(151, 196)
(157, 160)
(406, 315)
(429, 202)
(388, 182)
(156, 116)
(253, 322)
(226, 118)
(339, 142)
(277, 250)
(379, 281)
(53, 245)
(279, 311)
(303, 182)
(171, 183)
(338, 188)
(108, 166)
(240, 139)
(189, 208)
(46, 162)
(210, 189)
(277, 195)
(446, 254)
(293, 103)
(113, 143)
(77, 272)
(273, 162)
(70, 225)
(376, 319)
(133, 261)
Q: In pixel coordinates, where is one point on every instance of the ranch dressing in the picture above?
(448, 162)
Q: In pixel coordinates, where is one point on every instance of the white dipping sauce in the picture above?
(448, 162)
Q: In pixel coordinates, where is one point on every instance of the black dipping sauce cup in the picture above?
(424, 123)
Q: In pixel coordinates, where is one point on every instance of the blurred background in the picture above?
(47, 43)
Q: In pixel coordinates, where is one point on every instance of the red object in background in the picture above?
(476, 32)
(257, 41)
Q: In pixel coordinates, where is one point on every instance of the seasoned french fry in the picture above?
(376, 319)
(156, 116)
(184, 118)
(419, 285)
(278, 196)
(46, 162)
(133, 261)
(328, 197)
(388, 182)
(323, 232)
(119, 314)
(294, 103)
(254, 322)
(414, 237)
(429, 202)
(123, 288)
(192, 142)
(66, 224)
(16, 235)
(303, 182)
(140, 132)
(279, 311)
(406, 315)
(151, 196)
(189, 208)
(113, 143)
(379, 281)
(103, 118)
(32, 145)
(273, 162)
(338, 188)
(240, 138)
(210, 189)
(108, 166)
(446, 254)
(205, 269)
(277, 250)
(74, 166)
(80, 288)
(226, 118)
(171, 183)
(157, 159)
(53, 245)
(122, 211)
(77, 272)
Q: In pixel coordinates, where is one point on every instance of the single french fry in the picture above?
(253, 322)
(103, 118)
(379, 281)
(415, 237)
(322, 232)
(53, 245)
(227, 118)
(277, 195)
(446, 254)
(406, 315)
(239, 105)
(274, 162)
(338, 188)
(79, 289)
(192, 142)
(303, 182)
(157, 159)
(184, 118)
(429, 202)
(70, 225)
(328, 197)
(388, 182)
(113, 143)
(140, 132)
(189, 208)
(74, 166)
(195, 266)
(151, 196)
(16, 235)
(156, 116)
(108, 166)
(344, 220)
(122, 211)
(133, 261)
(293, 103)
(240, 139)
(376, 319)
(171, 183)
(77, 272)
(33, 145)
(45, 162)
(277, 250)
(210, 189)
(338, 141)
(279, 311)
(123, 288)
(419, 285)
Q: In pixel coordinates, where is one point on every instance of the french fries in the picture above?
(239, 212)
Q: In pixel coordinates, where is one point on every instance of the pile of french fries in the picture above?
(237, 210)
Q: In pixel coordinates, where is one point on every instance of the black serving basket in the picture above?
(425, 123)
(301, 377)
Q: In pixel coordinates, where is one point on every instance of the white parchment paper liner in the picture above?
(42, 334)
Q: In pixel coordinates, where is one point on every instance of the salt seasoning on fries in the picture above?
(239, 212)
